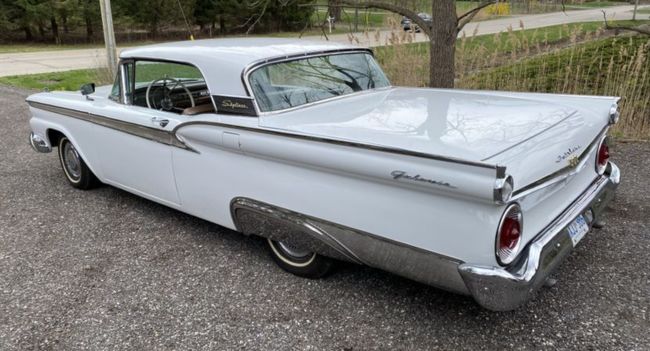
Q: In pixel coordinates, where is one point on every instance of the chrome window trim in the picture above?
(252, 67)
(123, 97)
(134, 59)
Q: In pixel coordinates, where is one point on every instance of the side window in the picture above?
(168, 86)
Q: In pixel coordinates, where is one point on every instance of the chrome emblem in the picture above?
(567, 155)
(574, 161)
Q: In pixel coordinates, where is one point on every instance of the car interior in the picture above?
(167, 86)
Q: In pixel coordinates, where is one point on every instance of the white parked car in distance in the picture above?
(309, 145)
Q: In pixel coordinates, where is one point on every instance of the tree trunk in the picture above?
(89, 29)
(41, 30)
(222, 25)
(334, 10)
(64, 22)
(28, 33)
(55, 30)
(442, 44)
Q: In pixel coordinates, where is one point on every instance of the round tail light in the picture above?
(509, 234)
(602, 159)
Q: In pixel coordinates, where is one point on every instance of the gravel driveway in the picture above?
(104, 269)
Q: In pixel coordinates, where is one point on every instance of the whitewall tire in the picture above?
(298, 261)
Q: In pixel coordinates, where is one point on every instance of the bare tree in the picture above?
(442, 32)
(639, 29)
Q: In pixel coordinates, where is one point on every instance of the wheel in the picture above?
(75, 169)
(298, 261)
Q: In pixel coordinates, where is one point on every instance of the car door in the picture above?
(135, 143)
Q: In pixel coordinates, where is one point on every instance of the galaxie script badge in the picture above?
(397, 175)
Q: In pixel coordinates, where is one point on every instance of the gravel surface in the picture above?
(105, 269)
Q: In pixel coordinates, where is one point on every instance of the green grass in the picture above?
(506, 43)
(69, 80)
(590, 60)
(542, 36)
(33, 47)
(644, 10)
(595, 4)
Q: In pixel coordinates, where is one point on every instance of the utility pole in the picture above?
(109, 35)
(636, 4)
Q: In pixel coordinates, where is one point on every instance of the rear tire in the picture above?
(74, 168)
(298, 261)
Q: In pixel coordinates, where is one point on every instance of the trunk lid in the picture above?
(533, 135)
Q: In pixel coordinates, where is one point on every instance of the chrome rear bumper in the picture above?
(506, 288)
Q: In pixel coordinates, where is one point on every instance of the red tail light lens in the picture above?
(509, 234)
(602, 159)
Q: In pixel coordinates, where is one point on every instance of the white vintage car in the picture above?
(308, 145)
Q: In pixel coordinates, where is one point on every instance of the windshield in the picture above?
(293, 83)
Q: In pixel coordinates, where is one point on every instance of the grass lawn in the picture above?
(594, 4)
(545, 35)
(68, 80)
(531, 37)
(32, 47)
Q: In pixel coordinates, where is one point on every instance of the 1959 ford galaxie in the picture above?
(308, 145)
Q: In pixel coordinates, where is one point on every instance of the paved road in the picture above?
(63, 60)
(104, 269)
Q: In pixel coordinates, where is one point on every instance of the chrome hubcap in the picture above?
(71, 161)
(294, 251)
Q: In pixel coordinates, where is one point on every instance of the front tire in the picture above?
(74, 168)
(298, 261)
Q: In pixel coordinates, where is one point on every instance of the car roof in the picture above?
(222, 61)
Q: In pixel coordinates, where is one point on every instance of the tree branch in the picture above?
(632, 29)
(468, 16)
(412, 15)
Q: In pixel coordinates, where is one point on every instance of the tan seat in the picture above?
(205, 108)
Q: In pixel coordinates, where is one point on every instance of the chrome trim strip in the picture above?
(170, 138)
(153, 134)
(391, 150)
(506, 288)
(250, 68)
(531, 137)
(123, 80)
(334, 240)
(560, 174)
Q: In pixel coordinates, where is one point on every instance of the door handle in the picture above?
(162, 122)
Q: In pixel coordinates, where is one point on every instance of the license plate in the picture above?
(577, 229)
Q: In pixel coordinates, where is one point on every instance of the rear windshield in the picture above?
(289, 84)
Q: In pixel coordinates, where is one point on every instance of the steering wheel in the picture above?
(166, 102)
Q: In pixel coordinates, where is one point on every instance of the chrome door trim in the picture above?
(150, 133)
